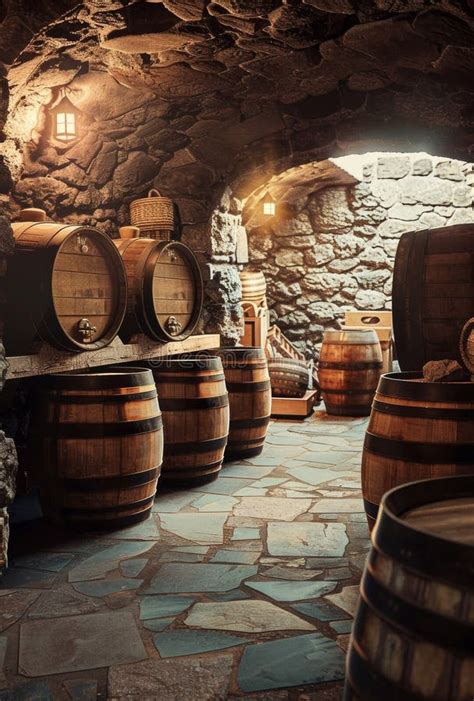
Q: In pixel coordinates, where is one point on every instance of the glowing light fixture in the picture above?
(269, 205)
(65, 120)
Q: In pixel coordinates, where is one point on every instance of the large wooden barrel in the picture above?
(350, 365)
(66, 284)
(195, 406)
(288, 377)
(165, 289)
(413, 634)
(97, 447)
(250, 400)
(254, 287)
(431, 305)
(416, 430)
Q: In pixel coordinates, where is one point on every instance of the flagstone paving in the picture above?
(244, 588)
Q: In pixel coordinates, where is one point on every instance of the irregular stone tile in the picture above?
(279, 572)
(49, 561)
(232, 595)
(132, 568)
(73, 643)
(298, 486)
(339, 573)
(224, 485)
(176, 643)
(289, 562)
(196, 549)
(99, 565)
(214, 502)
(248, 616)
(358, 560)
(81, 689)
(251, 492)
(239, 556)
(248, 471)
(286, 439)
(329, 457)
(191, 679)
(272, 507)
(338, 494)
(13, 605)
(156, 625)
(201, 528)
(267, 482)
(314, 659)
(161, 606)
(343, 641)
(17, 577)
(56, 603)
(245, 533)
(107, 586)
(147, 530)
(342, 627)
(322, 611)
(172, 502)
(33, 691)
(293, 590)
(311, 475)
(289, 493)
(316, 562)
(337, 506)
(173, 556)
(346, 481)
(266, 460)
(317, 539)
(347, 599)
(199, 578)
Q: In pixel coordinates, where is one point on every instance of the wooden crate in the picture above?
(256, 321)
(293, 408)
(278, 346)
(381, 323)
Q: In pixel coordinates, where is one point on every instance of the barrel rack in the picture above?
(48, 359)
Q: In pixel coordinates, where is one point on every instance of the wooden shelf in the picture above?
(48, 359)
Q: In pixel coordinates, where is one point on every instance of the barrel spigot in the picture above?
(86, 330)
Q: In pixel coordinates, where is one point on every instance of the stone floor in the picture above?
(244, 587)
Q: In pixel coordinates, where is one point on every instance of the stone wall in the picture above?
(337, 252)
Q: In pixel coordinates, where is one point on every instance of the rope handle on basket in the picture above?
(155, 191)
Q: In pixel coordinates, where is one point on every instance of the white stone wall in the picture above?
(337, 252)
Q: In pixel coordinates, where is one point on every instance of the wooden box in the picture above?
(381, 323)
(294, 408)
(256, 322)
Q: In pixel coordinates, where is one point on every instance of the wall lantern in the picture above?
(65, 116)
(269, 205)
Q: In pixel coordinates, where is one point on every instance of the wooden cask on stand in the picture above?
(195, 406)
(350, 365)
(165, 289)
(250, 400)
(416, 430)
(413, 634)
(97, 447)
(433, 292)
(66, 285)
(254, 287)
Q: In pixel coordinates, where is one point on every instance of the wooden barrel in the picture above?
(254, 287)
(250, 400)
(416, 430)
(413, 634)
(431, 306)
(350, 365)
(195, 406)
(97, 447)
(66, 285)
(288, 377)
(165, 289)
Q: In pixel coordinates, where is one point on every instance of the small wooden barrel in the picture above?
(288, 377)
(165, 289)
(66, 284)
(431, 306)
(416, 430)
(97, 447)
(250, 400)
(254, 287)
(350, 365)
(413, 634)
(195, 406)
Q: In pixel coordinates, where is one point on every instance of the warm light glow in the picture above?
(65, 126)
(269, 209)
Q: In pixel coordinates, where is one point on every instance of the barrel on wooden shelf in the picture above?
(433, 291)
(288, 377)
(165, 289)
(416, 430)
(97, 446)
(254, 287)
(66, 285)
(250, 400)
(350, 365)
(413, 633)
(195, 406)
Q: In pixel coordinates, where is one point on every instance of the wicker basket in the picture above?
(152, 214)
(157, 234)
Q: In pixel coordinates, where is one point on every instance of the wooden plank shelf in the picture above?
(48, 359)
